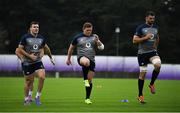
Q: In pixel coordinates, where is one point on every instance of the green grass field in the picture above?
(67, 95)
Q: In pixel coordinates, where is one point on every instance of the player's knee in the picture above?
(142, 75)
(143, 69)
(156, 62)
(157, 66)
(42, 77)
(85, 61)
(41, 73)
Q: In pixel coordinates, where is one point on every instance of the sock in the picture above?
(26, 98)
(38, 94)
(154, 77)
(85, 72)
(30, 93)
(88, 91)
(140, 86)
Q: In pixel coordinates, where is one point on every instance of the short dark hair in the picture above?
(87, 25)
(150, 13)
(33, 22)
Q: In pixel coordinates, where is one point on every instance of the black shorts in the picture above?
(92, 64)
(29, 69)
(144, 59)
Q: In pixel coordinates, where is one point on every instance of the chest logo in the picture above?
(35, 46)
(88, 45)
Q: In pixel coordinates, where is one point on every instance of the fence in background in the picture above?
(111, 64)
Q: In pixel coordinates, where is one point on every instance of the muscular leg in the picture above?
(28, 82)
(143, 70)
(31, 90)
(141, 83)
(89, 89)
(88, 75)
(41, 76)
(85, 63)
(157, 66)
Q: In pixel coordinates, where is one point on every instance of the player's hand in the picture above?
(68, 62)
(52, 61)
(33, 57)
(149, 36)
(96, 37)
(41, 54)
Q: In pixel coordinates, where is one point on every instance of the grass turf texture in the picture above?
(67, 95)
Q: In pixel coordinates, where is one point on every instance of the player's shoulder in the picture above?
(25, 36)
(141, 26)
(40, 36)
(79, 35)
(155, 26)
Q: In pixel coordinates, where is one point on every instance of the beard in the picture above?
(151, 22)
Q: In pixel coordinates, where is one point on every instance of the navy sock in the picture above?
(88, 91)
(154, 76)
(85, 72)
(140, 86)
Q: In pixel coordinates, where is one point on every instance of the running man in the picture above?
(147, 37)
(86, 43)
(30, 51)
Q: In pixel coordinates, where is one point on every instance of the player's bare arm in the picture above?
(47, 51)
(19, 54)
(137, 39)
(98, 42)
(156, 43)
(70, 51)
(21, 50)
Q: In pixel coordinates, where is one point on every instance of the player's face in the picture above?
(150, 19)
(88, 31)
(34, 29)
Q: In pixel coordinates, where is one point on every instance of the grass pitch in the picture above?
(67, 95)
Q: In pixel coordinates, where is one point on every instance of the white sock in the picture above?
(38, 94)
(26, 98)
(30, 93)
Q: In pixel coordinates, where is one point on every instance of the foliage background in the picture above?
(60, 20)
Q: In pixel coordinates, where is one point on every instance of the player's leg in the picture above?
(141, 79)
(156, 61)
(91, 74)
(28, 72)
(28, 81)
(41, 78)
(40, 71)
(88, 73)
(143, 70)
(31, 90)
(89, 89)
(85, 63)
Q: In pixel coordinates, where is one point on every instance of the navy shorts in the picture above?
(29, 69)
(144, 59)
(92, 64)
